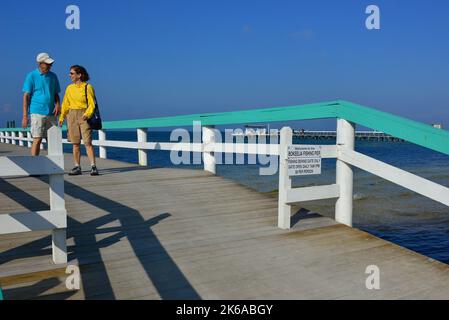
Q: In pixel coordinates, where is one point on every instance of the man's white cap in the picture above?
(44, 58)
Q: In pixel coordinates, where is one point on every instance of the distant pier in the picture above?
(359, 135)
(324, 135)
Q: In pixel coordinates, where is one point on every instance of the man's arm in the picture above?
(57, 105)
(26, 105)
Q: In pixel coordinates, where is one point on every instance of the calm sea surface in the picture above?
(380, 207)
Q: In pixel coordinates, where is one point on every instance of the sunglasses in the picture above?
(72, 73)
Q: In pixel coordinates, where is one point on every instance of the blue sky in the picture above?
(160, 58)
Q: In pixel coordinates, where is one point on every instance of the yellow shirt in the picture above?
(75, 98)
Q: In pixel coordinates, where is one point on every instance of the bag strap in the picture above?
(85, 93)
(87, 99)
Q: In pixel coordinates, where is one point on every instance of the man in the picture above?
(41, 99)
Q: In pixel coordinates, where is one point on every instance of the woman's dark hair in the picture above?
(81, 70)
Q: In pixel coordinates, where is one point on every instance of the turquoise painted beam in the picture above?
(64, 128)
(300, 112)
(409, 130)
(14, 129)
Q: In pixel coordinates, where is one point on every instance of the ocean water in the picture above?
(380, 207)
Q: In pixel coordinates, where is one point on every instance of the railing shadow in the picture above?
(40, 247)
(33, 291)
(160, 268)
(303, 214)
(167, 278)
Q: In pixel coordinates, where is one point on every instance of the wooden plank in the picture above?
(32, 221)
(32, 276)
(312, 193)
(26, 165)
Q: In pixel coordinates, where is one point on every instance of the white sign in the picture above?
(304, 160)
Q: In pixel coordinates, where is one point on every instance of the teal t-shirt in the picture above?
(42, 88)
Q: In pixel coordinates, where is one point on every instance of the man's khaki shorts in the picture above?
(78, 128)
(40, 124)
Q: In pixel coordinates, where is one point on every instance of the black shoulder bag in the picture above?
(94, 121)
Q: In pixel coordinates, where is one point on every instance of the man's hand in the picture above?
(57, 105)
(56, 110)
(85, 118)
(61, 122)
(25, 122)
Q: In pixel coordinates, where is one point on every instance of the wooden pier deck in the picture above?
(144, 233)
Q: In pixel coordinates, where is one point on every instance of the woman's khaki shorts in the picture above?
(78, 128)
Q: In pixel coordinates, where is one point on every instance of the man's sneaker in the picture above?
(94, 171)
(75, 171)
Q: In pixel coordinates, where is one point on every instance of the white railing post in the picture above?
(285, 182)
(57, 202)
(29, 142)
(13, 136)
(344, 205)
(142, 136)
(21, 139)
(102, 150)
(210, 162)
(2, 135)
(42, 142)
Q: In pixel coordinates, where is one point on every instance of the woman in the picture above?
(78, 106)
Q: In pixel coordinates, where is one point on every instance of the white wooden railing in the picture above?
(342, 190)
(343, 152)
(207, 146)
(52, 165)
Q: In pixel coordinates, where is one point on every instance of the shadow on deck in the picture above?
(86, 248)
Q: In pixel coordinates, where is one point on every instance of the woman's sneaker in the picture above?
(75, 171)
(94, 171)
